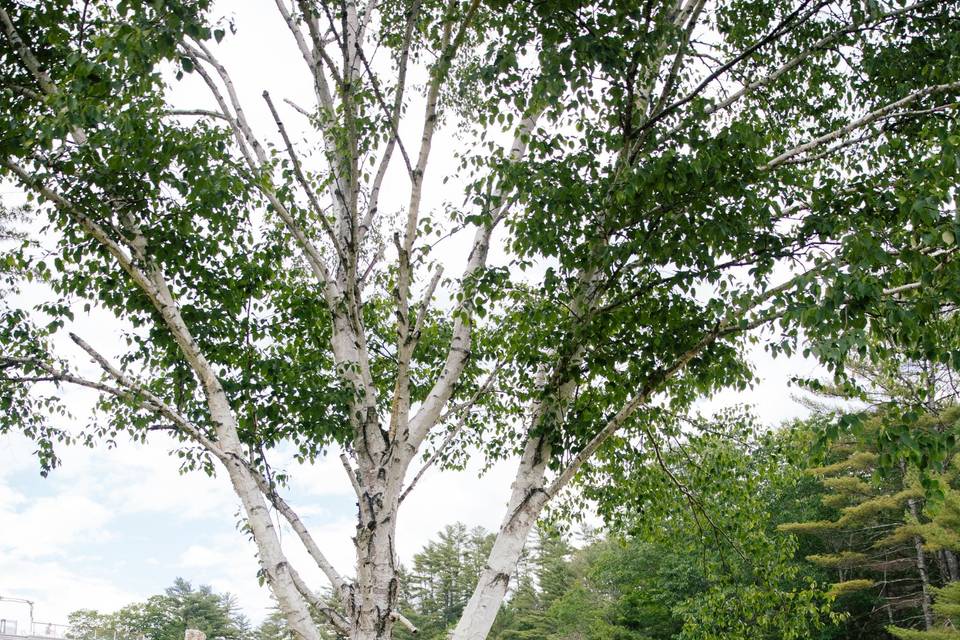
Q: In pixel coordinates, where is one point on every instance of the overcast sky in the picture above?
(114, 526)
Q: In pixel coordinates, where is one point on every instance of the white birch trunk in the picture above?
(526, 499)
(373, 600)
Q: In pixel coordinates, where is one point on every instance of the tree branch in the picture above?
(302, 179)
(887, 111)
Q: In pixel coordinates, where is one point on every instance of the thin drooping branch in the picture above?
(165, 409)
(341, 624)
(143, 400)
(207, 113)
(694, 502)
(285, 510)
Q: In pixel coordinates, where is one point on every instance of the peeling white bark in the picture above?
(526, 500)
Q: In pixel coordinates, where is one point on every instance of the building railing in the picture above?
(49, 630)
(46, 630)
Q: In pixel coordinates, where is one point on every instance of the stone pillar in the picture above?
(194, 634)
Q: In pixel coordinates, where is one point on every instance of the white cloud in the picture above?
(47, 526)
(56, 590)
(228, 564)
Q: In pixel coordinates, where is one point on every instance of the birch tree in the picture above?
(642, 186)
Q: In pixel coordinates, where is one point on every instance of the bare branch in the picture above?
(425, 302)
(205, 113)
(459, 349)
(341, 624)
(402, 619)
(285, 510)
(394, 117)
(302, 179)
(239, 114)
(253, 162)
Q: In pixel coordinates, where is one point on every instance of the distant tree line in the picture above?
(841, 526)
(166, 616)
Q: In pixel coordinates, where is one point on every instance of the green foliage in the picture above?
(701, 557)
(943, 529)
(648, 200)
(651, 224)
(868, 542)
(167, 617)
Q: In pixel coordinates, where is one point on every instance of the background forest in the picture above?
(810, 530)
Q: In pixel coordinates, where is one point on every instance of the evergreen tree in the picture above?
(554, 573)
(166, 617)
(881, 540)
(947, 607)
(444, 574)
(873, 547)
(273, 627)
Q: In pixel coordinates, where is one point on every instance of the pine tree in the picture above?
(166, 616)
(947, 608)
(874, 542)
(442, 578)
(552, 560)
